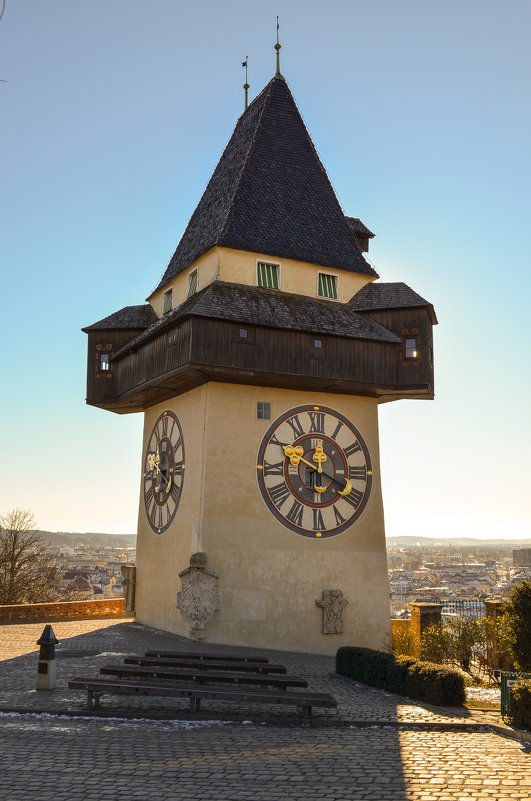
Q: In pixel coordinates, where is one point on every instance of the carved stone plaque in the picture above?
(333, 604)
(199, 597)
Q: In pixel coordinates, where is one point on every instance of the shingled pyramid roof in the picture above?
(270, 194)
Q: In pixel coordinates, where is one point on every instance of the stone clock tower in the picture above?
(259, 362)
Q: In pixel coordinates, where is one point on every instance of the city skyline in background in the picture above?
(114, 118)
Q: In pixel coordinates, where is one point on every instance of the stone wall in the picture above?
(66, 610)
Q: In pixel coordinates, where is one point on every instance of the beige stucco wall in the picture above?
(270, 576)
(239, 266)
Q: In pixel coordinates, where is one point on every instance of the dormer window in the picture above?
(268, 275)
(327, 286)
(168, 301)
(192, 283)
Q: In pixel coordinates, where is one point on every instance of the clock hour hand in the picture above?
(294, 454)
(153, 461)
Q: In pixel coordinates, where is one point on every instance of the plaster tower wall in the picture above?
(269, 577)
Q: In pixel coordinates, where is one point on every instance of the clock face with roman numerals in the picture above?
(314, 471)
(163, 474)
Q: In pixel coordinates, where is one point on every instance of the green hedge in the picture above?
(403, 675)
(520, 704)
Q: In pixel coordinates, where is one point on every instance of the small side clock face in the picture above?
(314, 471)
(163, 474)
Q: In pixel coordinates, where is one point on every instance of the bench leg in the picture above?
(195, 704)
(93, 699)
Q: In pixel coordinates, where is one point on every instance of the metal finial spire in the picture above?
(246, 85)
(277, 48)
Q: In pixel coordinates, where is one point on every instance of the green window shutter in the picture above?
(327, 286)
(267, 275)
(192, 286)
(168, 301)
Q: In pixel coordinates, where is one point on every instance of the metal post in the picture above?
(46, 664)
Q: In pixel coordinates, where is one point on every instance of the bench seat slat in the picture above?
(244, 667)
(163, 673)
(203, 656)
(309, 699)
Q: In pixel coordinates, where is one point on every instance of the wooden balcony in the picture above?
(195, 350)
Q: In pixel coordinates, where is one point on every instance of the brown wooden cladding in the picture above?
(197, 350)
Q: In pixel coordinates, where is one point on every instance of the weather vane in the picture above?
(277, 48)
(246, 85)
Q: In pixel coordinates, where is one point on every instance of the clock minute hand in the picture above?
(294, 454)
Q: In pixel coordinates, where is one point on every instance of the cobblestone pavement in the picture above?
(85, 646)
(89, 759)
(375, 746)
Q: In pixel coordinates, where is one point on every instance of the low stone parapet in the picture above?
(62, 610)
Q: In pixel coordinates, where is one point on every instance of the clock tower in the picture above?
(259, 362)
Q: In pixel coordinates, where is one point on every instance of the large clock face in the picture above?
(163, 471)
(314, 471)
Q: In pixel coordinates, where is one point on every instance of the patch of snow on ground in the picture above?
(491, 694)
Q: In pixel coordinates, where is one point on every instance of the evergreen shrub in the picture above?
(520, 704)
(403, 675)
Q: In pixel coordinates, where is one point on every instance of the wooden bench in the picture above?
(150, 669)
(206, 665)
(95, 688)
(201, 655)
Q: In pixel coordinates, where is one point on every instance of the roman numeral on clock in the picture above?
(295, 513)
(353, 498)
(274, 469)
(317, 420)
(279, 493)
(359, 473)
(338, 516)
(295, 424)
(354, 448)
(149, 497)
(318, 522)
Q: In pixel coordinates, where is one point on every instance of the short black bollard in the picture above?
(46, 665)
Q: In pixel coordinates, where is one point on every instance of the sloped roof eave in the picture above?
(193, 307)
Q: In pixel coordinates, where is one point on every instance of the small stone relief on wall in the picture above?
(199, 597)
(333, 605)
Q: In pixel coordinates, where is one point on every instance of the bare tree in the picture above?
(29, 572)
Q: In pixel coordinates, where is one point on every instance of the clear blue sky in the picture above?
(114, 115)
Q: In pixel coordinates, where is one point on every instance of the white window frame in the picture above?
(273, 264)
(331, 275)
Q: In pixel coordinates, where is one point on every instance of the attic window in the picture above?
(168, 301)
(327, 286)
(263, 410)
(268, 275)
(411, 349)
(104, 362)
(192, 283)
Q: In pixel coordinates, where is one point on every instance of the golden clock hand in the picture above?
(319, 456)
(152, 462)
(295, 455)
(348, 487)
